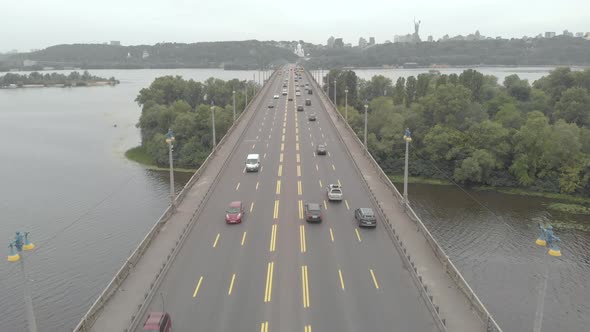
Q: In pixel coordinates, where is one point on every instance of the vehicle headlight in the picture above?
(226, 216)
(239, 215)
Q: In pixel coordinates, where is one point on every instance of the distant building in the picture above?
(348, 45)
(362, 42)
(48, 68)
(299, 50)
(388, 41)
(587, 36)
(371, 40)
(12, 51)
(580, 34)
(403, 38)
(115, 43)
(128, 55)
(549, 34)
(567, 33)
(145, 54)
(29, 63)
(330, 42)
(539, 36)
(338, 43)
(430, 39)
(445, 37)
(34, 50)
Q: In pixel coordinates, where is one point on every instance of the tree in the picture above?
(530, 143)
(509, 117)
(472, 80)
(410, 90)
(449, 105)
(476, 168)
(517, 88)
(574, 106)
(399, 91)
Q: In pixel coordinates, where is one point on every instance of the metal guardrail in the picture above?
(490, 324)
(91, 315)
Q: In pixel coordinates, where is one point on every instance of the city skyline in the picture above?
(43, 24)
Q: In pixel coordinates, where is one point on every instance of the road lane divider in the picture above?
(299, 188)
(302, 242)
(273, 238)
(198, 287)
(257, 183)
(339, 183)
(264, 327)
(251, 207)
(296, 146)
(316, 165)
(325, 205)
(268, 291)
(238, 186)
(282, 147)
(284, 130)
(299, 170)
(305, 286)
(253, 146)
(281, 158)
(329, 155)
(300, 209)
(216, 239)
(231, 285)
(276, 210)
(307, 328)
(333, 167)
(264, 157)
(374, 279)
(280, 170)
(347, 206)
(341, 279)
(298, 158)
(358, 235)
(283, 138)
(278, 191)
(243, 239)
(320, 182)
(297, 131)
(296, 138)
(331, 235)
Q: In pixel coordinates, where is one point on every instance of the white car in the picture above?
(298, 93)
(334, 192)
(276, 96)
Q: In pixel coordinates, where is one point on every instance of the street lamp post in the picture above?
(170, 140)
(213, 124)
(407, 139)
(365, 140)
(335, 102)
(346, 104)
(246, 93)
(546, 239)
(328, 84)
(21, 242)
(234, 97)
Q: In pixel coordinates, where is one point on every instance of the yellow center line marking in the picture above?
(316, 165)
(307, 328)
(266, 145)
(374, 279)
(264, 327)
(325, 205)
(284, 130)
(251, 206)
(231, 285)
(244, 170)
(296, 130)
(273, 238)
(283, 138)
(298, 170)
(296, 146)
(358, 236)
(216, 239)
(298, 158)
(296, 125)
(302, 244)
(299, 188)
(282, 147)
(331, 235)
(339, 183)
(238, 186)
(243, 239)
(280, 170)
(300, 209)
(276, 211)
(320, 181)
(253, 145)
(269, 273)
(305, 286)
(347, 206)
(281, 158)
(257, 183)
(198, 286)
(296, 138)
(341, 279)
(284, 124)
(278, 187)
(333, 167)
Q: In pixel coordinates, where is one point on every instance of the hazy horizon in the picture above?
(40, 24)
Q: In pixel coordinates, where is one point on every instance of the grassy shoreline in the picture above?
(139, 155)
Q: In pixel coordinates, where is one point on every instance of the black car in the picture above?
(309, 92)
(313, 212)
(290, 98)
(307, 102)
(321, 149)
(311, 117)
(299, 108)
(365, 217)
(271, 106)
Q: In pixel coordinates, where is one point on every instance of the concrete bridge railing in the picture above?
(95, 310)
(490, 324)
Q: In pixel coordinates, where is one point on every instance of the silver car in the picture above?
(334, 192)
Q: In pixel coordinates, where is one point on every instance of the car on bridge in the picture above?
(158, 322)
(299, 108)
(271, 105)
(307, 102)
(321, 149)
(276, 96)
(298, 93)
(311, 117)
(290, 98)
(309, 92)
(313, 212)
(334, 192)
(365, 217)
(234, 213)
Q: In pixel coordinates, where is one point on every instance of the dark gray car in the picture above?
(365, 217)
(321, 149)
(313, 212)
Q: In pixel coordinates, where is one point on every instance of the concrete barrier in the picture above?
(450, 268)
(90, 317)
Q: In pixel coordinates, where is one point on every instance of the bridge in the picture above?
(275, 271)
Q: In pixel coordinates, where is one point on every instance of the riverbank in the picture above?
(575, 205)
(60, 85)
(139, 155)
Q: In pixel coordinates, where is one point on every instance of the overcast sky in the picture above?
(28, 24)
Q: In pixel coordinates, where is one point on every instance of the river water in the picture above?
(65, 180)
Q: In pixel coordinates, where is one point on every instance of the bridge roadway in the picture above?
(275, 272)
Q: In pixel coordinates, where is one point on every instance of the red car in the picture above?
(234, 213)
(158, 322)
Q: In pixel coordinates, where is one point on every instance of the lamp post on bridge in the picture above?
(365, 133)
(233, 93)
(407, 139)
(546, 239)
(212, 121)
(346, 104)
(170, 140)
(20, 243)
(335, 102)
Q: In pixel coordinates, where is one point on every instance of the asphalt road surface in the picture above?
(274, 271)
